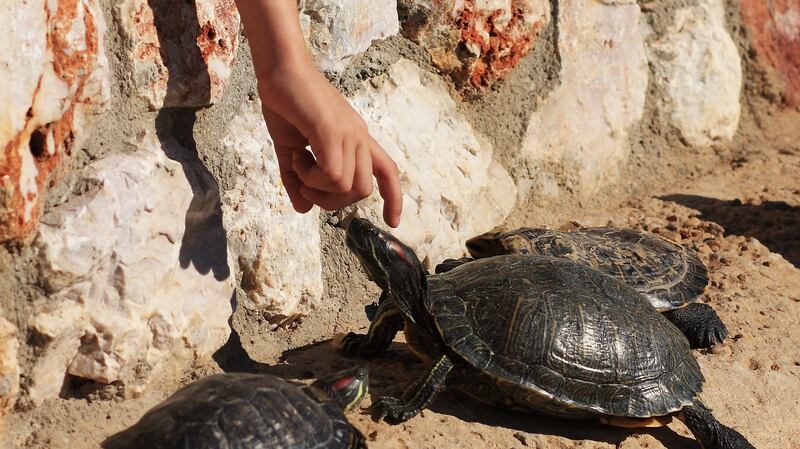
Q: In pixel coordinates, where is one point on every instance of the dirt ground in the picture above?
(742, 213)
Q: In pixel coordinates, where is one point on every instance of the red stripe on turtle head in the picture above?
(343, 383)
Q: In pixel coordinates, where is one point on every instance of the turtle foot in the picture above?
(356, 345)
(450, 264)
(700, 324)
(710, 433)
(392, 410)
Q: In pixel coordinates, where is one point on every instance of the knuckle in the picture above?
(342, 185)
(363, 190)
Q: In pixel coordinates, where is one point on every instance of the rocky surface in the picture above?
(54, 76)
(9, 367)
(452, 188)
(775, 27)
(583, 125)
(477, 42)
(697, 66)
(277, 249)
(121, 295)
(180, 53)
(337, 30)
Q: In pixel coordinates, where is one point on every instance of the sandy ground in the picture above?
(742, 215)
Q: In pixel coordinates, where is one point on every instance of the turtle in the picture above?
(533, 333)
(249, 411)
(669, 275)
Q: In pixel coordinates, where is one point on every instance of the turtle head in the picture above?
(388, 262)
(346, 387)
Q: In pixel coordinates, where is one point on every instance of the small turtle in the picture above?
(252, 411)
(669, 275)
(534, 333)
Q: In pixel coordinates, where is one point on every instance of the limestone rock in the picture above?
(698, 68)
(775, 28)
(9, 367)
(181, 53)
(338, 30)
(122, 294)
(452, 188)
(54, 76)
(476, 41)
(582, 126)
(278, 250)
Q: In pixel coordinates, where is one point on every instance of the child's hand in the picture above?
(302, 108)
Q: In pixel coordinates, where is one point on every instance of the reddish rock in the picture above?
(54, 74)
(181, 53)
(476, 41)
(775, 28)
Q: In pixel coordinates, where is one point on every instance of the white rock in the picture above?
(583, 125)
(338, 30)
(55, 76)
(477, 42)
(697, 65)
(122, 295)
(452, 188)
(183, 52)
(9, 367)
(278, 250)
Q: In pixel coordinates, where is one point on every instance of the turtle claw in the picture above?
(700, 324)
(371, 310)
(351, 344)
(391, 409)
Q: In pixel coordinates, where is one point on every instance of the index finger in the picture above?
(385, 171)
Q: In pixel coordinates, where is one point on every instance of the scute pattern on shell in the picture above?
(553, 335)
(668, 274)
(246, 411)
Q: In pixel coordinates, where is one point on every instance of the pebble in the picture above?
(693, 222)
(671, 235)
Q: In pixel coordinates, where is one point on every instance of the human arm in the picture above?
(302, 108)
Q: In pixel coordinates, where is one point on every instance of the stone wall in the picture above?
(140, 197)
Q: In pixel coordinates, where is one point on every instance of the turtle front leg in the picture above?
(417, 396)
(449, 264)
(387, 322)
(709, 432)
(699, 323)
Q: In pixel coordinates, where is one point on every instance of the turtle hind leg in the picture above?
(417, 396)
(709, 432)
(699, 323)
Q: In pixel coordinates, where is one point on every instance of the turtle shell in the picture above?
(668, 274)
(555, 336)
(246, 411)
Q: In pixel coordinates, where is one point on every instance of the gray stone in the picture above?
(697, 66)
(582, 127)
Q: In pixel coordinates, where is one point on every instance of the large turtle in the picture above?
(669, 275)
(535, 333)
(252, 411)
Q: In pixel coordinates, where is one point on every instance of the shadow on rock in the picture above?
(776, 224)
(204, 243)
